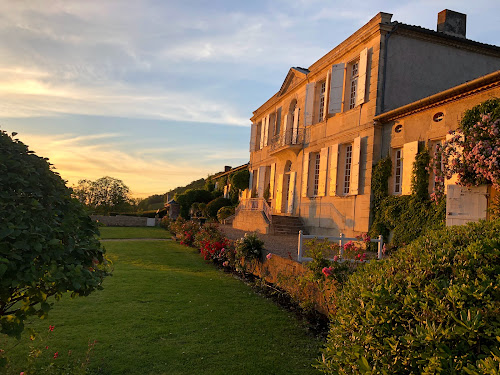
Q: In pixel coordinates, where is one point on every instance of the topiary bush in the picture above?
(434, 307)
(48, 243)
(225, 212)
(214, 206)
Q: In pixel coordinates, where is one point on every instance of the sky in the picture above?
(159, 93)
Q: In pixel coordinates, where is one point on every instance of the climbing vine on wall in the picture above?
(401, 219)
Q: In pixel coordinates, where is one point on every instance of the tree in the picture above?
(187, 199)
(48, 243)
(103, 195)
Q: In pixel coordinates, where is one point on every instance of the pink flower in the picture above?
(269, 256)
(327, 271)
(225, 264)
(335, 258)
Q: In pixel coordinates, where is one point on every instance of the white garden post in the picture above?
(299, 255)
(380, 246)
(341, 243)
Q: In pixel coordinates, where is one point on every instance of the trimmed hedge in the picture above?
(434, 307)
(214, 206)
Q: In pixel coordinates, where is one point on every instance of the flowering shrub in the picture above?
(212, 243)
(186, 231)
(249, 247)
(473, 151)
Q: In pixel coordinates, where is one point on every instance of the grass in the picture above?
(165, 311)
(133, 232)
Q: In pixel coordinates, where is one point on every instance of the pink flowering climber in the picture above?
(269, 256)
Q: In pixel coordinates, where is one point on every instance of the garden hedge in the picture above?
(434, 307)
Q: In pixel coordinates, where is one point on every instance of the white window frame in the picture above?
(317, 161)
(322, 94)
(347, 169)
(398, 171)
(353, 83)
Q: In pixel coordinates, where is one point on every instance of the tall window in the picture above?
(347, 174)
(316, 173)
(398, 171)
(354, 84)
(322, 101)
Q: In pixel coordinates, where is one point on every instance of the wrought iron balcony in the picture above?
(291, 139)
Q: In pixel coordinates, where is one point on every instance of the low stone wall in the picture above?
(251, 221)
(288, 275)
(123, 221)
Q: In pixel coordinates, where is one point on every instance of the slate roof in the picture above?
(424, 30)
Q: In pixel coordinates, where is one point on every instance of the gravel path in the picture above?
(283, 245)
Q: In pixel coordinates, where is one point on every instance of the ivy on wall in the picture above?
(401, 219)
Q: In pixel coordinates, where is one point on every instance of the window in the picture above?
(398, 171)
(347, 174)
(353, 84)
(322, 89)
(316, 173)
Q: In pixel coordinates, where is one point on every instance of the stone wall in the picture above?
(251, 221)
(123, 221)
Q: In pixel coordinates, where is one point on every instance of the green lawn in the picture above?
(165, 311)
(133, 232)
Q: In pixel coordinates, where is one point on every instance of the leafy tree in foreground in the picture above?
(48, 244)
(103, 195)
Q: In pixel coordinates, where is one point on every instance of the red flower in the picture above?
(56, 354)
(51, 328)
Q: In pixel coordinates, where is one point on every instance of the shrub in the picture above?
(48, 243)
(186, 199)
(434, 307)
(186, 232)
(241, 179)
(225, 212)
(214, 206)
(249, 247)
(212, 243)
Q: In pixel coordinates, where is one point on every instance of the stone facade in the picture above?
(313, 144)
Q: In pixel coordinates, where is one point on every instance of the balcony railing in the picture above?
(290, 138)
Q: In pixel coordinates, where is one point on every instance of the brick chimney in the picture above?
(452, 23)
(227, 168)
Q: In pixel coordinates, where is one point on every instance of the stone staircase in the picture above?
(286, 225)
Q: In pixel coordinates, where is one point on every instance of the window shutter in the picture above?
(305, 174)
(323, 163)
(279, 194)
(291, 192)
(262, 180)
(285, 129)
(266, 130)
(410, 151)
(271, 181)
(336, 88)
(262, 126)
(253, 135)
(278, 122)
(308, 108)
(327, 95)
(362, 69)
(250, 182)
(356, 156)
(295, 125)
(334, 161)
